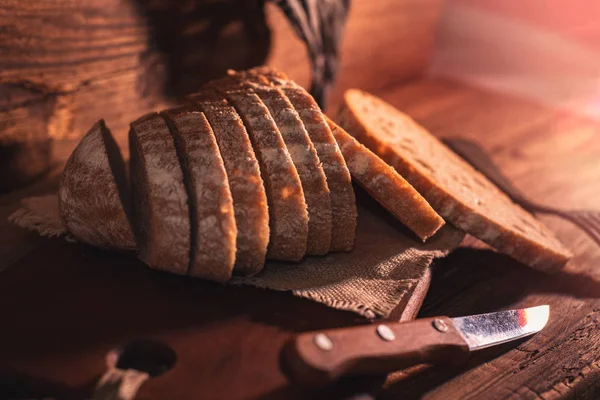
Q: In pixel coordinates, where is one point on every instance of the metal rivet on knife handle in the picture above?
(440, 325)
(385, 333)
(323, 342)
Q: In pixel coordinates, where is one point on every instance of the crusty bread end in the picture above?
(93, 194)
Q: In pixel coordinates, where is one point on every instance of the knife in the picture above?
(318, 358)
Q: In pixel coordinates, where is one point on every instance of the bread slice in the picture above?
(288, 217)
(384, 184)
(160, 203)
(304, 156)
(246, 185)
(288, 214)
(461, 195)
(93, 194)
(212, 218)
(343, 202)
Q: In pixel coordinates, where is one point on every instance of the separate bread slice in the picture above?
(93, 194)
(160, 203)
(288, 217)
(213, 232)
(386, 186)
(460, 194)
(343, 202)
(304, 156)
(245, 182)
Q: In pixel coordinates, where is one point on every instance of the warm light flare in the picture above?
(534, 318)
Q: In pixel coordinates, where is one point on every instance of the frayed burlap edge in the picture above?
(40, 214)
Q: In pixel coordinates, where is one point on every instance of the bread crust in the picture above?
(245, 182)
(100, 221)
(288, 217)
(304, 157)
(213, 228)
(386, 186)
(160, 201)
(460, 194)
(339, 182)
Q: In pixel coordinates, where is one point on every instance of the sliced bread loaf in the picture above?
(160, 203)
(384, 184)
(93, 194)
(288, 217)
(343, 203)
(246, 185)
(213, 229)
(460, 194)
(304, 156)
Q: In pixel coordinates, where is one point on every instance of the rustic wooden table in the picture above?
(64, 305)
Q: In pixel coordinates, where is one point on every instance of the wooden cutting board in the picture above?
(533, 145)
(65, 305)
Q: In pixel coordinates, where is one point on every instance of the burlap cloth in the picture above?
(372, 280)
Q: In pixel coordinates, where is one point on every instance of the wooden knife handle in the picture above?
(317, 358)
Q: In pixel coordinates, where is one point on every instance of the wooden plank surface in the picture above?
(551, 155)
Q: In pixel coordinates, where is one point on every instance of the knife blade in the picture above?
(318, 358)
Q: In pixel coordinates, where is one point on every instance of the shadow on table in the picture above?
(417, 385)
(22, 386)
(73, 303)
(357, 388)
(472, 281)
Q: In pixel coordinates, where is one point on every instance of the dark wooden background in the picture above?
(65, 305)
(64, 64)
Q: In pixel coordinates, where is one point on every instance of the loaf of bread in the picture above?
(251, 169)
(94, 193)
(384, 184)
(460, 194)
